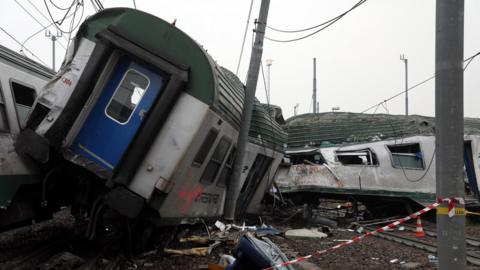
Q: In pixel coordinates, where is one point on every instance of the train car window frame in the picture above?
(399, 165)
(216, 163)
(205, 148)
(4, 127)
(123, 105)
(370, 157)
(227, 169)
(20, 116)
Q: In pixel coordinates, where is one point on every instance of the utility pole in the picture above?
(54, 39)
(405, 60)
(449, 132)
(269, 64)
(252, 78)
(295, 109)
(315, 105)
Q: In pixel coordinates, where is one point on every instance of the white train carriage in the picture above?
(20, 81)
(370, 158)
(141, 107)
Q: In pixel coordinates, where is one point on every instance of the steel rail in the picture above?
(471, 257)
(472, 241)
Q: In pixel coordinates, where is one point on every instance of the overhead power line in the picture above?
(12, 37)
(28, 12)
(58, 7)
(38, 10)
(39, 31)
(244, 37)
(44, 16)
(34, 18)
(325, 25)
(57, 23)
(468, 60)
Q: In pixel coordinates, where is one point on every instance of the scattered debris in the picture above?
(394, 261)
(324, 221)
(267, 230)
(432, 259)
(64, 260)
(226, 260)
(199, 251)
(253, 253)
(214, 245)
(304, 234)
(194, 239)
(411, 265)
(220, 225)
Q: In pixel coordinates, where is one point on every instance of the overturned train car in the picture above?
(140, 119)
(380, 160)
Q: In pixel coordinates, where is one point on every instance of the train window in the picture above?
(205, 148)
(227, 169)
(407, 156)
(215, 162)
(357, 157)
(24, 98)
(3, 114)
(308, 158)
(127, 96)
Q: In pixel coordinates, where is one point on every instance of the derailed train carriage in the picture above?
(380, 160)
(20, 81)
(141, 120)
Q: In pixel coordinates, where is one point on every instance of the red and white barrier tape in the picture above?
(360, 237)
(451, 204)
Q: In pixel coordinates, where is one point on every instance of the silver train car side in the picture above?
(375, 159)
(140, 119)
(20, 81)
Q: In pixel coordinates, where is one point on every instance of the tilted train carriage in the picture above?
(142, 120)
(20, 81)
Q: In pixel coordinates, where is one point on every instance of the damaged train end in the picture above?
(141, 120)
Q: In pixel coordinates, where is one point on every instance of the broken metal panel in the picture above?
(57, 92)
(308, 175)
(254, 204)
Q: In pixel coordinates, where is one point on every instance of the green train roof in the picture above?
(263, 128)
(336, 128)
(162, 39)
(208, 82)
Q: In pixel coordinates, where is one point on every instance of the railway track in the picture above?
(472, 256)
(87, 255)
(39, 253)
(471, 241)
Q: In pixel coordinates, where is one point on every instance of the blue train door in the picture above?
(118, 113)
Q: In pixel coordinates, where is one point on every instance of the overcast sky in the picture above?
(358, 61)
